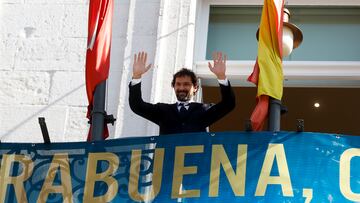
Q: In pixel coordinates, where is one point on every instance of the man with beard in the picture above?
(185, 115)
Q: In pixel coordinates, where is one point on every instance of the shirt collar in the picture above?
(187, 103)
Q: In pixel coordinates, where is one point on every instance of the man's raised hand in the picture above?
(139, 66)
(219, 67)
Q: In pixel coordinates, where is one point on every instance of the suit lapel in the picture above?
(174, 108)
(192, 107)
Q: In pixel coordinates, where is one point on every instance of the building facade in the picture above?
(43, 46)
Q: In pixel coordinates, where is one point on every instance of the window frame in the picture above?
(296, 73)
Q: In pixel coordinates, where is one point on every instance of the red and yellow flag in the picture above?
(98, 48)
(267, 73)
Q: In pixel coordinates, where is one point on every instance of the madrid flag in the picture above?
(267, 73)
(98, 48)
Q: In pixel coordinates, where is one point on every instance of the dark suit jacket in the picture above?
(198, 117)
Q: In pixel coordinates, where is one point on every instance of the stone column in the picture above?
(169, 40)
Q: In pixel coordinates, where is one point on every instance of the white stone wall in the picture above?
(42, 61)
(42, 57)
(43, 46)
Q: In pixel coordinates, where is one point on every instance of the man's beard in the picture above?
(183, 96)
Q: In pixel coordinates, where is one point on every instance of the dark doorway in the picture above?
(338, 111)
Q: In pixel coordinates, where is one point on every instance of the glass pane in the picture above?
(232, 30)
(330, 34)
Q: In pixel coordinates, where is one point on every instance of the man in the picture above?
(185, 115)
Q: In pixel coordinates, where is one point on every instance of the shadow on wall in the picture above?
(35, 115)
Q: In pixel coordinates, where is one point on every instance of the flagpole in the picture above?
(274, 115)
(291, 41)
(98, 112)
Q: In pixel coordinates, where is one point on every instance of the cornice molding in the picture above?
(296, 73)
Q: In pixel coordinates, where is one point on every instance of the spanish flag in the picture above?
(267, 73)
(98, 49)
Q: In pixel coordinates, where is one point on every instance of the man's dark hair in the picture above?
(185, 72)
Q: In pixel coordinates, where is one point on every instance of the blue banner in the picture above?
(200, 167)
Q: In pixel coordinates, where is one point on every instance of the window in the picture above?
(232, 30)
(328, 57)
(330, 34)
